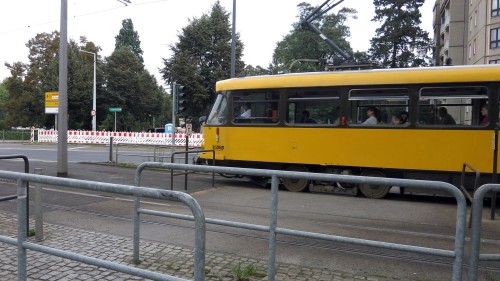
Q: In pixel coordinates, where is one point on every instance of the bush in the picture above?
(22, 135)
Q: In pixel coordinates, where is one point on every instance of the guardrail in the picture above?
(22, 217)
(457, 253)
(477, 208)
(185, 173)
(26, 170)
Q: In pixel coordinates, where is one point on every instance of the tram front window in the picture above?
(218, 114)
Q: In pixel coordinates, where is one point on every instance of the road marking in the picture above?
(103, 196)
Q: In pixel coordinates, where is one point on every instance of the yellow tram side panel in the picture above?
(409, 149)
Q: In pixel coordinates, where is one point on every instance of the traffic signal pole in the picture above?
(174, 109)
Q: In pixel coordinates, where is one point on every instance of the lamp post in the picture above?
(94, 110)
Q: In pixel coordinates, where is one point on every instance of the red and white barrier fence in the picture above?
(90, 137)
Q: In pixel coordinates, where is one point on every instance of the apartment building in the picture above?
(466, 32)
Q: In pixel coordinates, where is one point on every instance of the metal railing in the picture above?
(477, 208)
(185, 173)
(22, 217)
(462, 184)
(26, 170)
(457, 253)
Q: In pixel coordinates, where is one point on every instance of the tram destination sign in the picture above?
(115, 109)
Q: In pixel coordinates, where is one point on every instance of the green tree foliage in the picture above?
(19, 103)
(29, 82)
(254, 71)
(4, 96)
(128, 37)
(131, 87)
(400, 42)
(301, 44)
(201, 57)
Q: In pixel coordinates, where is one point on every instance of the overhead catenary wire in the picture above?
(29, 26)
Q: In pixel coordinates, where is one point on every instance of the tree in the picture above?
(4, 96)
(254, 71)
(305, 45)
(29, 82)
(201, 57)
(130, 38)
(132, 88)
(400, 42)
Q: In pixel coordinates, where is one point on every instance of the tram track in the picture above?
(285, 240)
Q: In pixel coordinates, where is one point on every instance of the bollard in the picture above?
(111, 149)
(38, 208)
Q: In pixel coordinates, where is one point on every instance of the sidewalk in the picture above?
(169, 259)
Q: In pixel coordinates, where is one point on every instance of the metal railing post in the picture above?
(110, 149)
(495, 166)
(137, 227)
(38, 208)
(22, 232)
(273, 224)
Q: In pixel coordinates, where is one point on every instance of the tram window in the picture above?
(217, 115)
(313, 108)
(450, 106)
(255, 107)
(387, 106)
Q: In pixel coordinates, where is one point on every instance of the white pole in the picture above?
(94, 103)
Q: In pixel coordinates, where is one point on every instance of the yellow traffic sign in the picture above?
(51, 102)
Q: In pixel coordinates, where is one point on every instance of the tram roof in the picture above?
(402, 76)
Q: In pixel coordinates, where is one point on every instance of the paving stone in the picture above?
(167, 259)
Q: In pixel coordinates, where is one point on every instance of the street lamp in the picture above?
(94, 110)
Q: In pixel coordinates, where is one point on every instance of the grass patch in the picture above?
(244, 273)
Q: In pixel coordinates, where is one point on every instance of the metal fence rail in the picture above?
(457, 253)
(26, 170)
(477, 208)
(22, 215)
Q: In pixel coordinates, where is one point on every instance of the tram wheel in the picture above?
(372, 190)
(295, 185)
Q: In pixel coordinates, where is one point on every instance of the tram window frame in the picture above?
(323, 107)
(218, 113)
(264, 107)
(390, 102)
(462, 103)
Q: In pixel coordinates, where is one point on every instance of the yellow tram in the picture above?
(419, 123)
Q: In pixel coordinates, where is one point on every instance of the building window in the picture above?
(443, 18)
(495, 38)
(470, 24)
(495, 8)
(470, 51)
(495, 61)
(475, 18)
(474, 47)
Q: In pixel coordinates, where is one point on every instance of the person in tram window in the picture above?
(484, 115)
(246, 110)
(397, 120)
(445, 117)
(373, 116)
(404, 117)
(306, 118)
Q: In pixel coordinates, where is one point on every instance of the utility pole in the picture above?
(62, 116)
(233, 43)
(174, 108)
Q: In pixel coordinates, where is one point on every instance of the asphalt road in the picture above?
(414, 220)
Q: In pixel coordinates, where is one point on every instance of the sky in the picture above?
(260, 23)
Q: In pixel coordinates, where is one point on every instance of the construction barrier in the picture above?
(89, 137)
